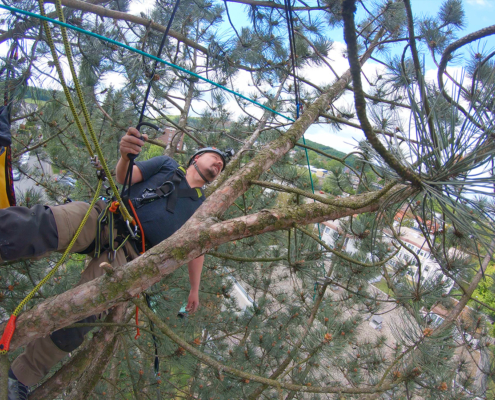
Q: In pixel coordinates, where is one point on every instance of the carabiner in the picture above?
(133, 232)
(111, 255)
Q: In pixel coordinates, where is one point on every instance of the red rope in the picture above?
(7, 335)
(140, 227)
(137, 322)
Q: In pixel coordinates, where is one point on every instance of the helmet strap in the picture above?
(199, 172)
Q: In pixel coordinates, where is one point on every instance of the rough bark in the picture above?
(192, 240)
(87, 360)
(93, 373)
(198, 235)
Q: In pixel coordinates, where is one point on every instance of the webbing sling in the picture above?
(169, 189)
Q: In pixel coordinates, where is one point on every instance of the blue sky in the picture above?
(478, 14)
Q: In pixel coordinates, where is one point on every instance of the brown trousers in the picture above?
(42, 354)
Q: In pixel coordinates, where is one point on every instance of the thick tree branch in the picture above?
(192, 240)
(244, 259)
(90, 353)
(348, 9)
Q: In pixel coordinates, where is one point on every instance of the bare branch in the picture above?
(349, 8)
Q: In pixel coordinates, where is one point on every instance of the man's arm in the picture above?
(130, 143)
(194, 267)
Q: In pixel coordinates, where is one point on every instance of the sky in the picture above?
(478, 14)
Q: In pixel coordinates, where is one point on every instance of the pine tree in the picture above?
(285, 313)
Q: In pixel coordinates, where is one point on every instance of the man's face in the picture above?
(210, 164)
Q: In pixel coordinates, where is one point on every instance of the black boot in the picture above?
(17, 390)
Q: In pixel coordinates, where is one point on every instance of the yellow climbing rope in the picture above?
(92, 134)
(10, 328)
(56, 62)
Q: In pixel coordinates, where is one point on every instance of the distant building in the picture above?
(320, 172)
(332, 231)
(430, 268)
(415, 243)
(168, 135)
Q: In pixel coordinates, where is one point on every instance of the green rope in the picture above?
(49, 40)
(44, 18)
(54, 21)
(64, 24)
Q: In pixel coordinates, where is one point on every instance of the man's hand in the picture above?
(192, 301)
(131, 143)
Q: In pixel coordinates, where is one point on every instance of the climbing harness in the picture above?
(110, 216)
(168, 189)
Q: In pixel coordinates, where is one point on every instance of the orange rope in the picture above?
(140, 227)
(137, 322)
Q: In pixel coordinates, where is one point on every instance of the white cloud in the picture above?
(141, 6)
(479, 2)
(344, 140)
(115, 79)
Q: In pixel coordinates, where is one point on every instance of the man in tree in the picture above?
(164, 195)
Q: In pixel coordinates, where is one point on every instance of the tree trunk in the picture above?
(87, 359)
(192, 240)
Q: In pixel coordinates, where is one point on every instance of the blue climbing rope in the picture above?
(134, 50)
(293, 55)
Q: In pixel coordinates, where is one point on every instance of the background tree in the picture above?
(428, 143)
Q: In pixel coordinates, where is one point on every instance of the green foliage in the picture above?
(485, 291)
(150, 151)
(261, 308)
